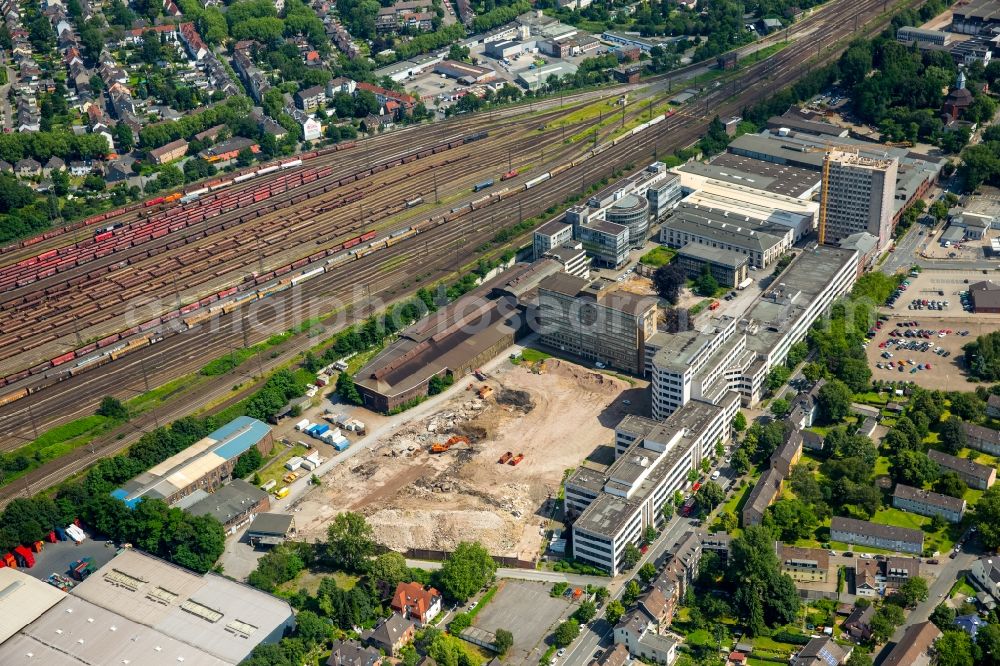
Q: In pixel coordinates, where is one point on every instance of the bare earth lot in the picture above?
(416, 499)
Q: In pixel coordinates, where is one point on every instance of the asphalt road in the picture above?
(950, 572)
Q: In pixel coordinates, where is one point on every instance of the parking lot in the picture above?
(928, 325)
(507, 611)
(57, 557)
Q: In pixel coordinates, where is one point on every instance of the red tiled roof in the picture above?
(413, 598)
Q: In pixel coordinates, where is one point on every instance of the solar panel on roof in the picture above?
(240, 627)
(122, 579)
(161, 595)
(204, 612)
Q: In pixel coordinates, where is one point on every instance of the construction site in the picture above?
(486, 466)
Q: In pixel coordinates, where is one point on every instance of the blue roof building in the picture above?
(207, 464)
(970, 624)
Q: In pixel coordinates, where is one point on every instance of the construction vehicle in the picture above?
(505, 457)
(516, 459)
(452, 441)
(288, 478)
(484, 392)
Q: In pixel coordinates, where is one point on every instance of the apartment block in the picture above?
(927, 503)
(982, 439)
(887, 537)
(977, 476)
(611, 509)
(803, 564)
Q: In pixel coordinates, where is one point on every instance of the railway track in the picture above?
(184, 353)
(210, 256)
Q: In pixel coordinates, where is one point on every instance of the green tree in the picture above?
(912, 592)
(503, 641)
(586, 612)
(312, 628)
(988, 641)
(631, 556)
(764, 596)
(884, 622)
(952, 436)
(248, 463)
(950, 483)
(386, 571)
(943, 616)
(647, 572)
(859, 658)
(113, 408)
(466, 570)
(739, 422)
(954, 648)
(631, 593)
(834, 401)
(706, 284)
(347, 391)
(349, 541)
(566, 633)
(791, 520)
(913, 468)
(709, 496)
(779, 407)
(740, 461)
(614, 612)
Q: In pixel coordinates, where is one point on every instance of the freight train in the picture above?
(246, 292)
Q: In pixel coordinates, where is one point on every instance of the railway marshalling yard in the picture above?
(418, 500)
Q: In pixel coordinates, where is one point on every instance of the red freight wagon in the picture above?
(65, 358)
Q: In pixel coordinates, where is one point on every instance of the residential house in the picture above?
(898, 570)
(416, 602)
(311, 99)
(769, 484)
(193, 41)
(616, 656)
(229, 149)
(170, 152)
(656, 606)
(6, 167)
(312, 129)
(350, 653)
(973, 474)
(406, 102)
(718, 543)
(808, 404)
(868, 580)
(684, 560)
(340, 84)
(914, 648)
(27, 168)
(982, 439)
(984, 575)
(54, 164)
(390, 635)
(858, 623)
(993, 406)
(803, 564)
(927, 503)
(821, 651)
(119, 170)
(865, 533)
(970, 624)
(638, 635)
